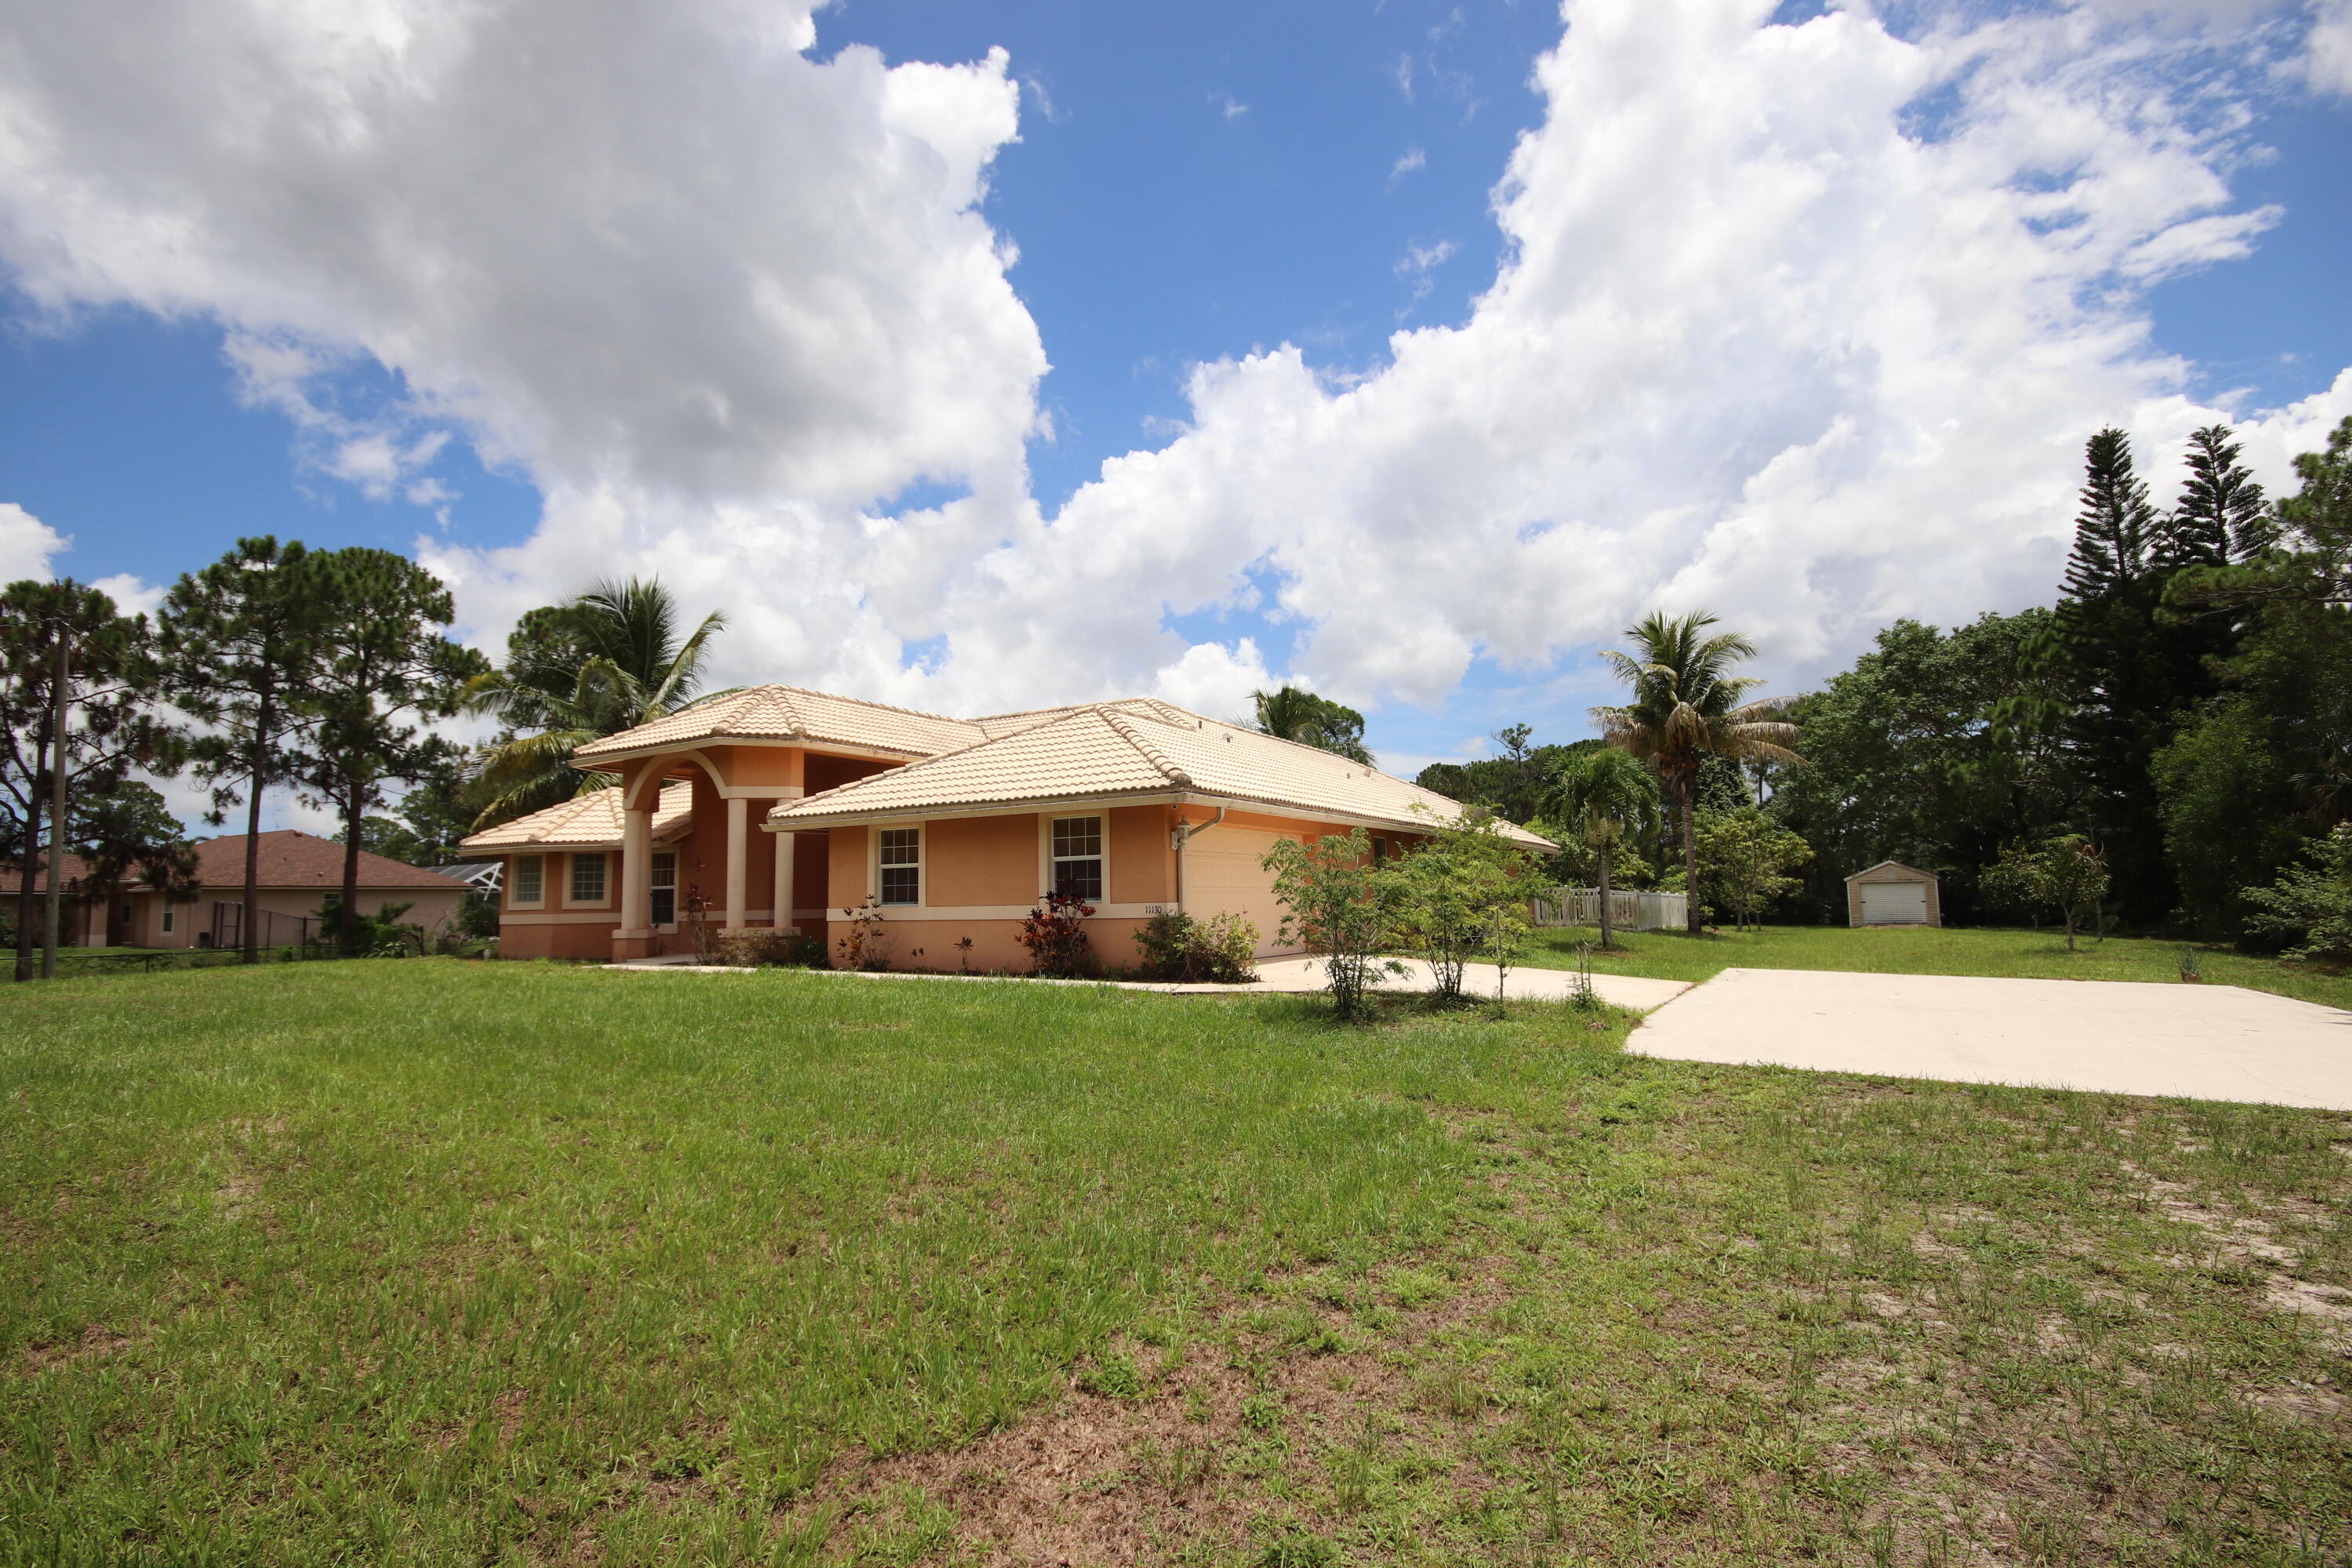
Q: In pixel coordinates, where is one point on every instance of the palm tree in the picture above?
(1291, 714)
(609, 660)
(1606, 795)
(1686, 708)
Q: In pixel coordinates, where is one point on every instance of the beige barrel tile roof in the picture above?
(1137, 747)
(793, 713)
(591, 820)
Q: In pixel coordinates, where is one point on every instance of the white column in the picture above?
(784, 900)
(739, 830)
(637, 872)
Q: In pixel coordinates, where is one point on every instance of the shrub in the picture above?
(2311, 902)
(771, 945)
(1056, 935)
(1221, 949)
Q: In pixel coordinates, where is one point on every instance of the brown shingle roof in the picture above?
(1135, 748)
(590, 820)
(288, 859)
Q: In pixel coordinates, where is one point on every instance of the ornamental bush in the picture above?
(1221, 949)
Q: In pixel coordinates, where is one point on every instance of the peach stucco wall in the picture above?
(1142, 868)
(981, 860)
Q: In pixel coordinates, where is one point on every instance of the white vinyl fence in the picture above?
(1630, 909)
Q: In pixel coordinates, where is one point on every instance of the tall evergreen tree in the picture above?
(2115, 527)
(2221, 517)
(2148, 624)
(382, 668)
(239, 642)
(2133, 674)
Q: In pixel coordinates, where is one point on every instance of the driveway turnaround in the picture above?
(2197, 1042)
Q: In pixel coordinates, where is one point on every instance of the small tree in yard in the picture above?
(1744, 854)
(2066, 873)
(1460, 896)
(1606, 797)
(1337, 908)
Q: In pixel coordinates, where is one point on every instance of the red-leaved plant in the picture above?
(1056, 935)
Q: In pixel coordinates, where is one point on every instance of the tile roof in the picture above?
(1137, 747)
(589, 820)
(794, 713)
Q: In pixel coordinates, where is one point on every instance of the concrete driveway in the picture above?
(1477, 979)
(2199, 1042)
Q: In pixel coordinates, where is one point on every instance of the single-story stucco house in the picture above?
(297, 871)
(780, 807)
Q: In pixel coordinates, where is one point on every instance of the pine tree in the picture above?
(2124, 672)
(2113, 531)
(2221, 517)
(381, 668)
(239, 648)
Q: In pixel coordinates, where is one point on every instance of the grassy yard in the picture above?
(2027, 954)
(446, 1262)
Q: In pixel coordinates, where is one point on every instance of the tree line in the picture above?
(2169, 741)
(319, 672)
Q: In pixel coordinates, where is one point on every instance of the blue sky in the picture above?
(1188, 186)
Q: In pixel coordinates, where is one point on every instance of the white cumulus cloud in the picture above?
(26, 546)
(1806, 324)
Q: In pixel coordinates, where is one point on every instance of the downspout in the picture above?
(1181, 837)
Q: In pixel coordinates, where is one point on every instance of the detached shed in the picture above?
(1893, 894)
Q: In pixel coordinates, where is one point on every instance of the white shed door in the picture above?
(1222, 876)
(1895, 903)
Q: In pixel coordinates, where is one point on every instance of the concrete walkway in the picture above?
(2199, 1042)
(1275, 975)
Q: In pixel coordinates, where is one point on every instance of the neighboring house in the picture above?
(954, 826)
(297, 871)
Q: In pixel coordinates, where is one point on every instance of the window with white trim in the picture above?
(902, 864)
(167, 914)
(588, 879)
(529, 879)
(1078, 858)
(664, 887)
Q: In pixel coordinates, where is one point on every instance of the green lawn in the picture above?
(444, 1262)
(2037, 955)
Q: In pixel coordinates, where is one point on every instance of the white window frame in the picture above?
(571, 895)
(883, 865)
(655, 886)
(538, 868)
(167, 917)
(1055, 859)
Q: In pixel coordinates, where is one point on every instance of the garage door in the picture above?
(1222, 876)
(1895, 903)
